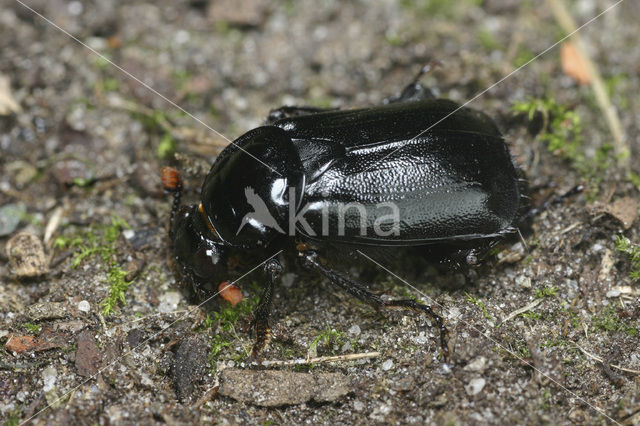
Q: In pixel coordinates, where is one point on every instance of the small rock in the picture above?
(147, 178)
(84, 306)
(421, 338)
(523, 281)
(46, 310)
(476, 365)
(49, 376)
(69, 171)
(387, 365)
(475, 386)
(169, 301)
(128, 234)
(10, 216)
(72, 326)
(134, 266)
(354, 330)
(135, 337)
(613, 293)
(22, 172)
(288, 279)
(26, 256)
(142, 237)
(274, 388)
(358, 405)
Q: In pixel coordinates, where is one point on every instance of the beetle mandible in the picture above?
(348, 180)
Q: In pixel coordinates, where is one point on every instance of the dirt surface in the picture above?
(82, 154)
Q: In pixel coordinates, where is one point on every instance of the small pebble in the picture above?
(26, 255)
(49, 376)
(613, 293)
(387, 365)
(354, 330)
(477, 364)
(346, 347)
(84, 306)
(169, 301)
(523, 281)
(358, 405)
(10, 216)
(475, 386)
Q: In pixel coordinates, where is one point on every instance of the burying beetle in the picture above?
(348, 180)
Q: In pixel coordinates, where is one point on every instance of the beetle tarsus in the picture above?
(419, 307)
(414, 91)
(262, 313)
(361, 292)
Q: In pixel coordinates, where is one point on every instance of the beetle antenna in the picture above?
(172, 182)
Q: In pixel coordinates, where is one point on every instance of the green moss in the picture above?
(609, 321)
(532, 315)
(541, 293)
(443, 8)
(330, 338)
(13, 419)
(31, 327)
(224, 321)
(624, 245)
(488, 40)
(101, 241)
(481, 305)
(635, 180)
(562, 131)
(117, 289)
(523, 56)
(167, 147)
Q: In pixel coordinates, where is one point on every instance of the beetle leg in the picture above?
(414, 91)
(361, 292)
(293, 111)
(263, 311)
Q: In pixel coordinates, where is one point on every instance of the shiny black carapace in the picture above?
(319, 181)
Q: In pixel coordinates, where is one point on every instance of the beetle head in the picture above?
(201, 255)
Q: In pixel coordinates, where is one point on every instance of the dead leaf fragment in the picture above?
(19, 344)
(8, 105)
(624, 210)
(88, 355)
(573, 64)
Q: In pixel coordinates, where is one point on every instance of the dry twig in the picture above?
(317, 360)
(600, 360)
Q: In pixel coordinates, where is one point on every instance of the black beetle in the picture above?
(315, 181)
